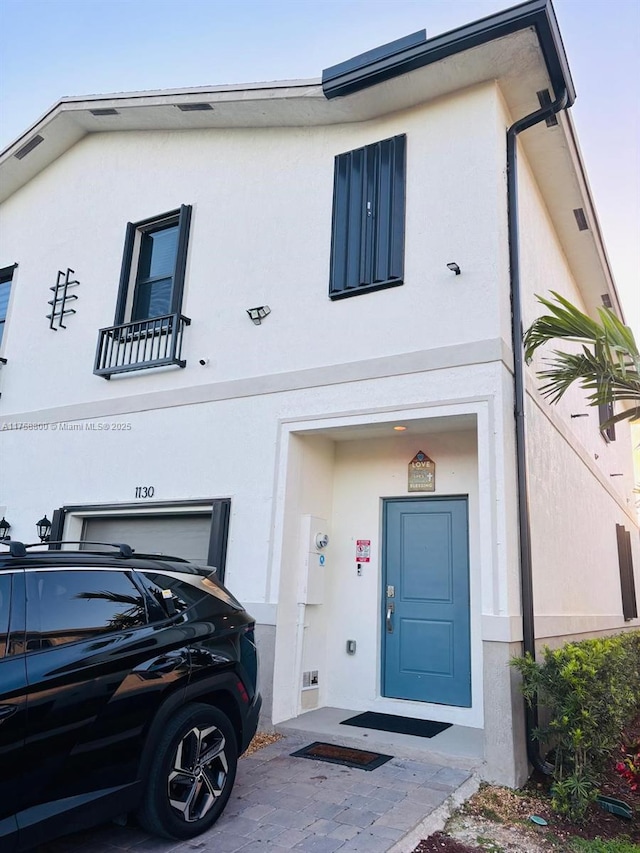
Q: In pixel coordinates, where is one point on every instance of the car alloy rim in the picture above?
(199, 774)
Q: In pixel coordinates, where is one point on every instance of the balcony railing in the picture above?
(140, 345)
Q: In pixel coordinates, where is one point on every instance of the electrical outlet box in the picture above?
(310, 679)
(312, 577)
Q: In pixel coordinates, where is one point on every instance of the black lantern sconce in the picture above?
(44, 529)
(5, 527)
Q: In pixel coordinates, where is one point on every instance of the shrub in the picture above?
(629, 767)
(590, 690)
(615, 845)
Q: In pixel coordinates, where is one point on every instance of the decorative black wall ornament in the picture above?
(60, 299)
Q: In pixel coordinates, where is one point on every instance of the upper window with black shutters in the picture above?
(367, 238)
(153, 266)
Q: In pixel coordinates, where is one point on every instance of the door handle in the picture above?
(7, 711)
(390, 610)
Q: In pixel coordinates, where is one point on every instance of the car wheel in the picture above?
(191, 775)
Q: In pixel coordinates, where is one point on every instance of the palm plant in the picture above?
(608, 367)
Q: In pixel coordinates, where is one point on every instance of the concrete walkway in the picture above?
(282, 803)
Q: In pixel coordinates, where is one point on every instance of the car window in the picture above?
(187, 589)
(5, 600)
(184, 595)
(70, 605)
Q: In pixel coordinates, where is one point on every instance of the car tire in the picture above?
(191, 774)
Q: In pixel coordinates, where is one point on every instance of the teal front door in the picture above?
(425, 596)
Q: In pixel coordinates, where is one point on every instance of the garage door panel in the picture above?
(184, 535)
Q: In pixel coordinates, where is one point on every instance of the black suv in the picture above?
(127, 685)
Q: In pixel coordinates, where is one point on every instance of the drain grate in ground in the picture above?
(333, 754)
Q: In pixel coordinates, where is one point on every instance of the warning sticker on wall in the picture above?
(363, 550)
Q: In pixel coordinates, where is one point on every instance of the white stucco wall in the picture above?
(260, 235)
(581, 485)
(226, 448)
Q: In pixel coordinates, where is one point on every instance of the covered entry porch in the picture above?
(438, 557)
(386, 615)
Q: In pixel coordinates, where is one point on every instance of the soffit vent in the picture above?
(545, 99)
(606, 300)
(581, 219)
(193, 108)
(105, 111)
(28, 148)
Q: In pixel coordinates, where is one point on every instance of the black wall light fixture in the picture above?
(44, 528)
(5, 527)
(258, 314)
(454, 267)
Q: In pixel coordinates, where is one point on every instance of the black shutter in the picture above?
(57, 528)
(217, 555)
(604, 413)
(125, 273)
(184, 223)
(627, 582)
(367, 235)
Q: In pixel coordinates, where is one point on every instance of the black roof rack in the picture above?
(19, 549)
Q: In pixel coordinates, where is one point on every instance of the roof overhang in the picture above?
(520, 49)
(415, 51)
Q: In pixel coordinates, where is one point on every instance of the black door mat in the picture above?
(391, 723)
(329, 752)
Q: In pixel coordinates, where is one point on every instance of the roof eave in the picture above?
(70, 104)
(354, 75)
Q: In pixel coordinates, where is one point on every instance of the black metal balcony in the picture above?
(140, 345)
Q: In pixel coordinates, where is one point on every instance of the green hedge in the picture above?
(590, 691)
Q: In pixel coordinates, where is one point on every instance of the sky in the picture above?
(56, 48)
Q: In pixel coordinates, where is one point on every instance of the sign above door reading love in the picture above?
(422, 473)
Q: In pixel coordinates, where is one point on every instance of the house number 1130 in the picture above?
(145, 491)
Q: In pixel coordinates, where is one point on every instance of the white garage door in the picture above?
(184, 535)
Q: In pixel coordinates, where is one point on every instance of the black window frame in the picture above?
(6, 275)
(368, 218)
(135, 233)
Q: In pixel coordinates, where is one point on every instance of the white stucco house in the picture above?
(240, 323)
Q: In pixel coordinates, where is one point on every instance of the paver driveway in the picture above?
(282, 803)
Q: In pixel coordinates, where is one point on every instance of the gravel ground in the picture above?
(260, 740)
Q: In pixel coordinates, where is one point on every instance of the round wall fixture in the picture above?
(322, 540)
